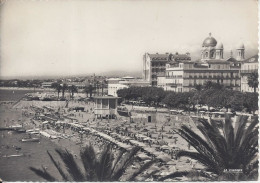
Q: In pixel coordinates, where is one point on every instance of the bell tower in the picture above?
(240, 52)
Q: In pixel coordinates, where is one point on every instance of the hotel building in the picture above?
(154, 65)
(183, 76)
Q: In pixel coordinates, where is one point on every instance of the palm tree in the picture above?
(73, 89)
(225, 147)
(252, 80)
(96, 168)
(64, 87)
(86, 90)
(90, 89)
(57, 87)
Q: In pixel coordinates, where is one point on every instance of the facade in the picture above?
(46, 84)
(248, 66)
(155, 64)
(115, 84)
(184, 76)
(105, 106)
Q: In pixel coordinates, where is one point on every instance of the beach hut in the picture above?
(105, 106)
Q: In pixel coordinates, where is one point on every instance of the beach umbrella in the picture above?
(171, 162)
(164, 158)
(143, 156)
(172, 169)
(152, 169)
(146, 138)
(165, 173)
(165, 147)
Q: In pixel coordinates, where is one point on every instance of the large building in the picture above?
(249, 66)
(154, 65)
(184, 76)
(115, 84)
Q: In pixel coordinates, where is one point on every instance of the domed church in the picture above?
(212, 50)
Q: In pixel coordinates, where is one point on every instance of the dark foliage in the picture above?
(226, 147)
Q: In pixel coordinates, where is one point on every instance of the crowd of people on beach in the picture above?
(63, 122)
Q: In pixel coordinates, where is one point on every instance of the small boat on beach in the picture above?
(21, 130)
(30, 140)
(33, 131)
(13, 155)
(6, 128)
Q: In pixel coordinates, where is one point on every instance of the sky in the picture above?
(72, 37)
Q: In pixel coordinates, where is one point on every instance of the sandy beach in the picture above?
(59, 127)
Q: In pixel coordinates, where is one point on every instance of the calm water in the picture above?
(34, 154)
(17, 168)
(13, 95)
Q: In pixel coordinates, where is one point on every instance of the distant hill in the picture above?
(135, 74)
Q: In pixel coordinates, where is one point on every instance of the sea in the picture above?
(33, 154)
(13, 94)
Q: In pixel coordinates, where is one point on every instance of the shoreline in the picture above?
(24, 88)
(99, 132)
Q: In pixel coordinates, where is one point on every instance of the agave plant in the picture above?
(225, 148)
(103, 167)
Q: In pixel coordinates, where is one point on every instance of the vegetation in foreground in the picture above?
(103, 167)
(229, 152)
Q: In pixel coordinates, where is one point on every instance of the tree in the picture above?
(213, 85)
(252, 80)
(90, 89)
(171, 99)
(73, 89)
(250, 101)
(225, 147)
(64, 87)
(57, 87)
(198, 87)
(104, 167)
(86, 90)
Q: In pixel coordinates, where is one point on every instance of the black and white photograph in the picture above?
(129, 90)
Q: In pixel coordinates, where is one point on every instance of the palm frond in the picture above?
(197, 142)
(141, 170)
(43, 173)
(125, 162)
(229, 136)
(116, 161)
(173, 175)
(241, 122)
(57, 165)
(71, 165)
(89, 159)
(203, 159)
(105, 164)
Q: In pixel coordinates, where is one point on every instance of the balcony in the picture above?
(248, 71)
(173, 77)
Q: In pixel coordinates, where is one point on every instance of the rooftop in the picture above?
(252, 59)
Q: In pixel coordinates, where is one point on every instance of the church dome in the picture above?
(219, 46)
(241, 46)
(209, 41)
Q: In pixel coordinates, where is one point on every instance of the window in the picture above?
(212, 55)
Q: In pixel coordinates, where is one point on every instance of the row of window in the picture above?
(158, 64)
